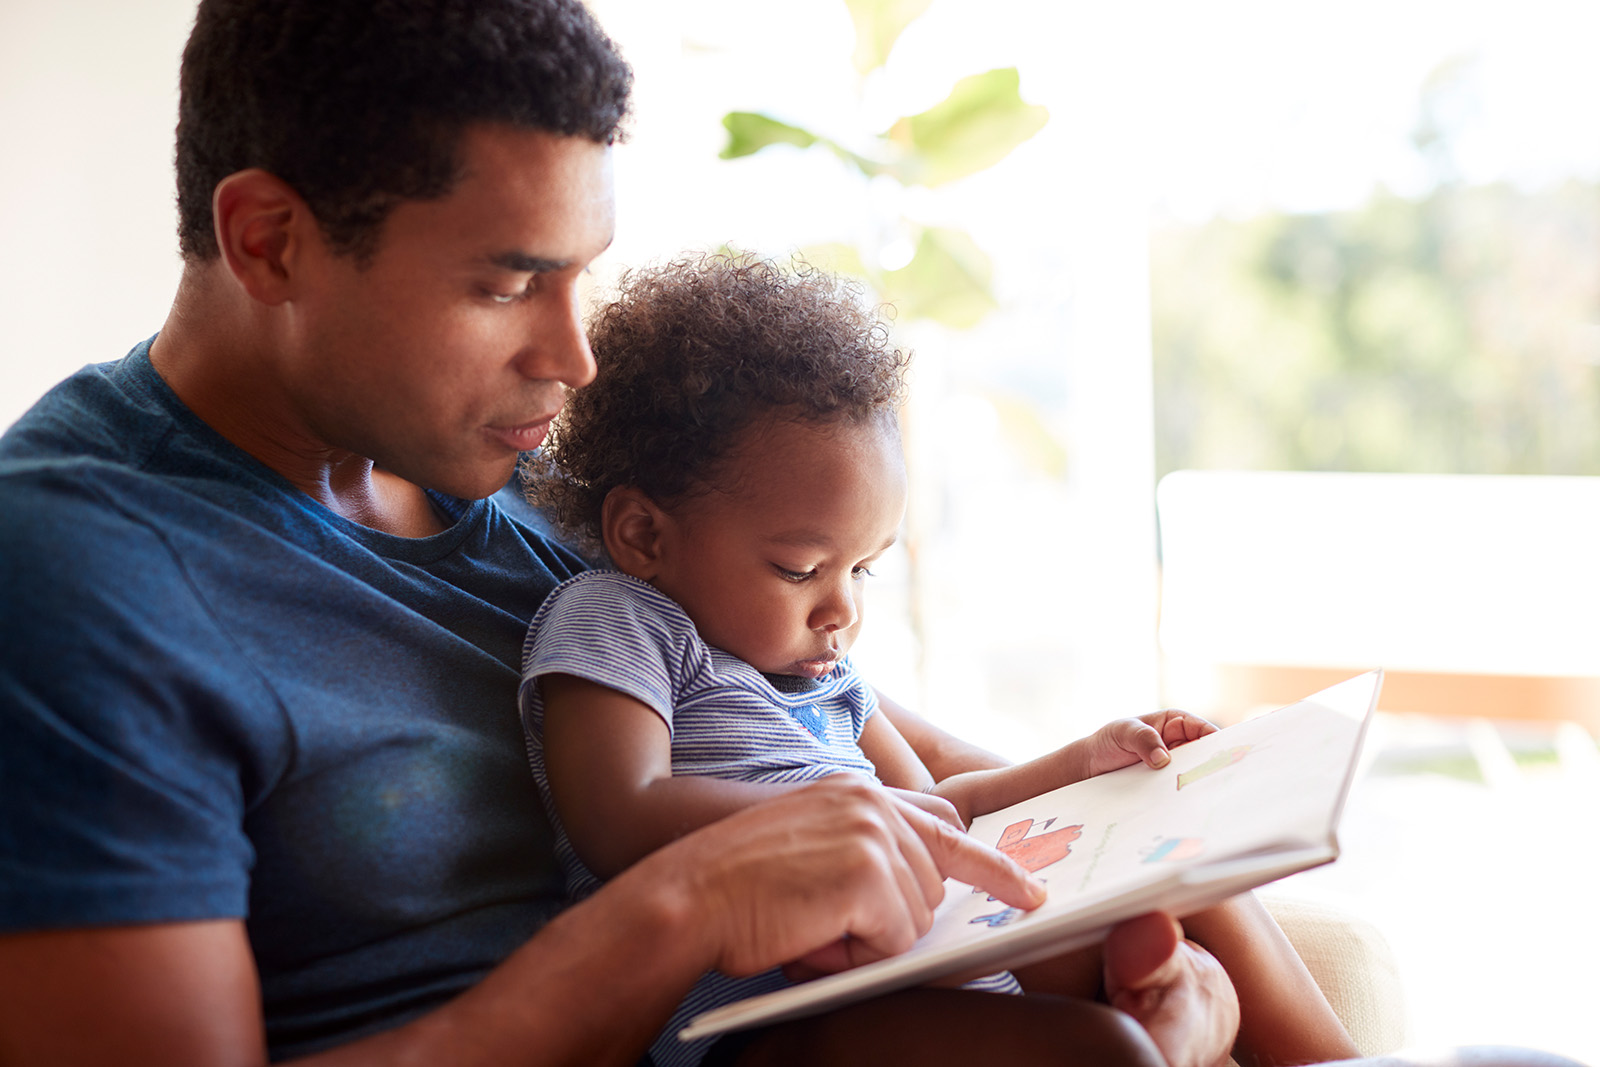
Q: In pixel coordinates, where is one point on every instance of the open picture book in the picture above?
(1236, 809)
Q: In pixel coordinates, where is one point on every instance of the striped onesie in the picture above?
(727, 720)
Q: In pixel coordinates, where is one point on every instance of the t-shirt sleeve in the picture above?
(122, 789)
(608, 629)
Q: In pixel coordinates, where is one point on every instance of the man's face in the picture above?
(771, 564)
(448, 353)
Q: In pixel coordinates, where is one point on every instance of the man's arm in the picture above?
(839, 873)
(163, 993)
(186, 993)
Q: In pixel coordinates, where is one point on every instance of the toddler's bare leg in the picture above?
(1072, 974)
(1283, 1016)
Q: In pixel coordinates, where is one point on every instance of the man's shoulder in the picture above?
(51, 507)
(77, 465)
(76, 563)
(101, 515)
(108, 412)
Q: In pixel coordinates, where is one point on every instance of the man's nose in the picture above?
(558, 349)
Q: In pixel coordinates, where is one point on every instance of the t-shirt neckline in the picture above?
(463, 516)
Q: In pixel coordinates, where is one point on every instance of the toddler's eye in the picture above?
(858, 573)
(794, 576)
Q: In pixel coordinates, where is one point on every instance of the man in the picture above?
(263, 784)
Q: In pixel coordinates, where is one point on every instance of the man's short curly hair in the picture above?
(692, 354)
(360, 104)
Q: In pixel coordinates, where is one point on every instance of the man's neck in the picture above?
(216, 352)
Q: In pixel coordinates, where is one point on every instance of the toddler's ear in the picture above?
(631, 525)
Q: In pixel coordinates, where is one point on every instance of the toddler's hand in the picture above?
(1146, 739)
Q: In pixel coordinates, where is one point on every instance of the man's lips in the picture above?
(523, 438)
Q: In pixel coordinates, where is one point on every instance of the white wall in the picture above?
(88, 255)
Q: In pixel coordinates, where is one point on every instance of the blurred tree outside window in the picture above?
(1337, 262)
(1452, 330)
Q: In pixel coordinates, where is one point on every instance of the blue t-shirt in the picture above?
(218, 699)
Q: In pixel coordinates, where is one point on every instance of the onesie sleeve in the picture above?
(617, 631)
(862, 699)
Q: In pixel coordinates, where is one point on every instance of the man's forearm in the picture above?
(838, 873)
(593, 987)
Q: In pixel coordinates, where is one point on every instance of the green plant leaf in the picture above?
(948, 280)
(973, 128)
(750, 131)
(879, 24)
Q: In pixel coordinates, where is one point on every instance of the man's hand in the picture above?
(936, 806)
(838, 874)
(1176, 990)
(1147, 739)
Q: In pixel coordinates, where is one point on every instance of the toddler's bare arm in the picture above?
(609, 761)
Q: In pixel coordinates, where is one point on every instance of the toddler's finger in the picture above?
(1182, 727)
(1146, 742)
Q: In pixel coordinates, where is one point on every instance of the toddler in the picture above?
(737, 460)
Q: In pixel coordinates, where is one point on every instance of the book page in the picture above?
(1270, 784)
(1233, 810)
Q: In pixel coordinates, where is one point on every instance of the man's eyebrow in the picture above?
(523, 263)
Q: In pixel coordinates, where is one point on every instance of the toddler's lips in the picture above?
(815, 668)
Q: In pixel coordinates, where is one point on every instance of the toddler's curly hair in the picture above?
(690, 355)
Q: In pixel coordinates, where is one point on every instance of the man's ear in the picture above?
(261, 227)
(631, 524)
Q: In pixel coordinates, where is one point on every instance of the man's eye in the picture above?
(517, 297)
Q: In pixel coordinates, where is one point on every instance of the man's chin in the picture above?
(482, 480)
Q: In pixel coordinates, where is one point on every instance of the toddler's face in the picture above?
(770, 565)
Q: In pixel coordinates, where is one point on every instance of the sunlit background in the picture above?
(1313, 237)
